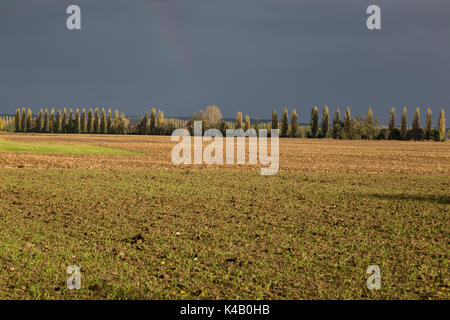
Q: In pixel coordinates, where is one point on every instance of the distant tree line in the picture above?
(360, 127)
(102, 122)
(94, 121)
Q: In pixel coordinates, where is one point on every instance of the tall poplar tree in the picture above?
(153, 121)
(325, 121)
(52, 120)
(441, 126)
(429, 125)
(369, 124)
(404, 124)
(90, 122)
(83, 121)
(247, 123)
(294, 123)
(274, 119)
(160, 122)
(39, 121)
(314, 122)
(347, 122)
(58, 126)
(77, 121)
(64, 121)
(96, 121)
(284, 123)
(29, 120)
(369, 117)
(46, 123)
(17, 121)
(109, 121)
(391, 123)
(239, 120)
(103, 125)
(416, 125)
(23, 118)
(70, 122)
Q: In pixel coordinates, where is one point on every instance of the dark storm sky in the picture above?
(248, 55)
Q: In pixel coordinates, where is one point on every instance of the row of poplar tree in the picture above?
(366, 127)
(94, 121)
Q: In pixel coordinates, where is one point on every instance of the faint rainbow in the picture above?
(174, 47)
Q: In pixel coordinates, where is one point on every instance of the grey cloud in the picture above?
(248, 55)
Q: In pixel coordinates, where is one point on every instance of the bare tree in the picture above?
(213, 115)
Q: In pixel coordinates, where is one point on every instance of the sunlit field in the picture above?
(140, 227)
